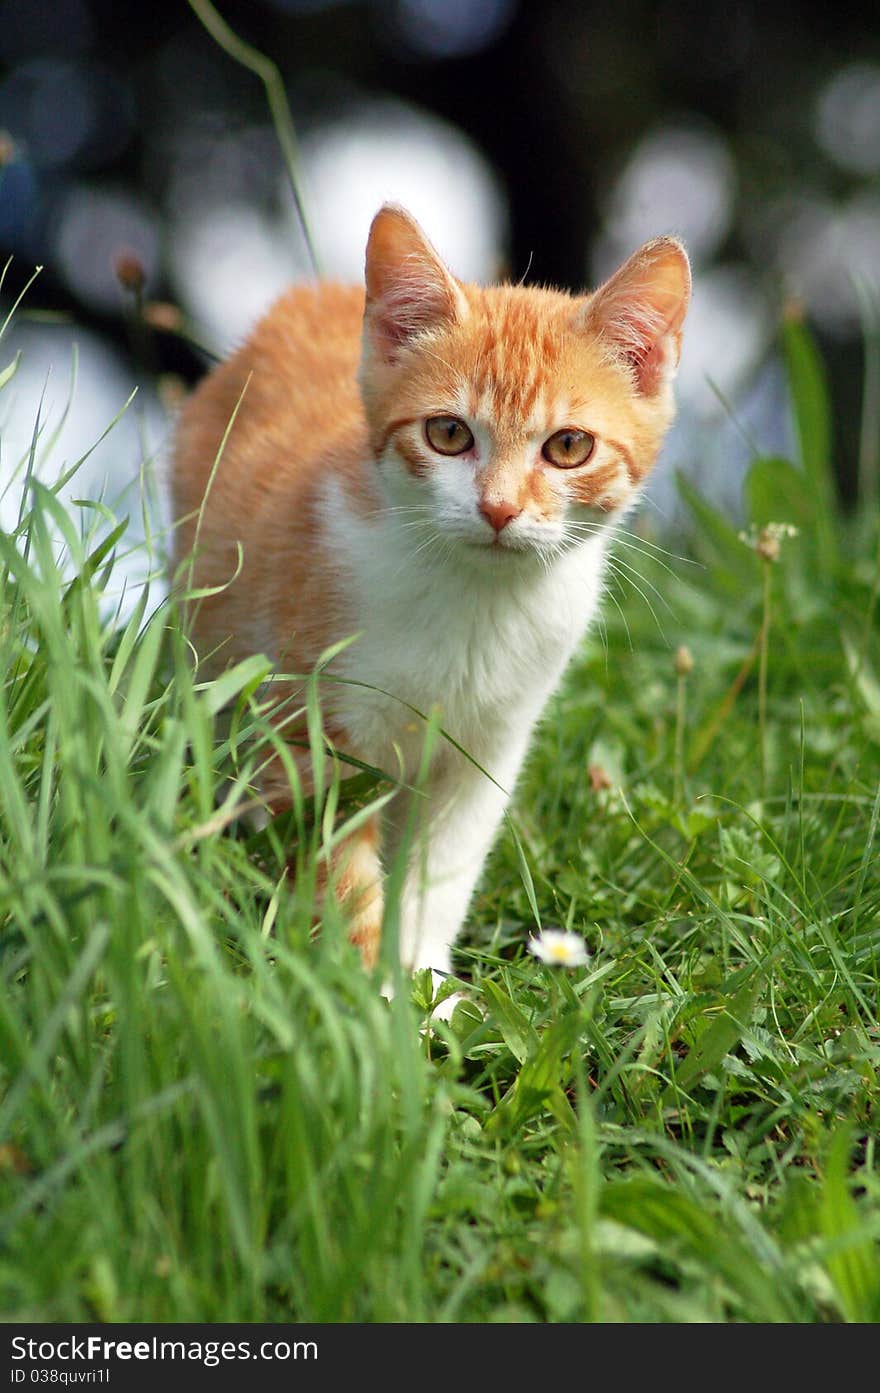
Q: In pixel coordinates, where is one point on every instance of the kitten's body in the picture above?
(469, 575)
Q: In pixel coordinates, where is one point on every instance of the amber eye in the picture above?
(448, 435)
(568, 448)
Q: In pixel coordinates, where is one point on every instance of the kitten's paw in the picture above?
(444, 1009)
(426, 999)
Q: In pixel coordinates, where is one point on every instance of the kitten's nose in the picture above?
(499, 514)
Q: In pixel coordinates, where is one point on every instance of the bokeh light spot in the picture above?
(451, 28)
(94, 226)
(678, 179)
(848, 118)
(388, 151)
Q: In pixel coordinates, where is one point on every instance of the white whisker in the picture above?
(628, 580)
(613, 598)
(631, 571)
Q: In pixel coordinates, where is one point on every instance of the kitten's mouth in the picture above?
(499, 546)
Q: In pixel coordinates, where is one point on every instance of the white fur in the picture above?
(482, 632)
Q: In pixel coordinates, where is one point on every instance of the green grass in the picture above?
(209, 1114)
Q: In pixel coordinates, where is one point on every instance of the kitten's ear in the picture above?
(641, 310)
(409, 289)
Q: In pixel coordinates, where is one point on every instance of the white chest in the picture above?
(487, 643)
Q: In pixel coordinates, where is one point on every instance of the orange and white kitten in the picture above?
(438, 468)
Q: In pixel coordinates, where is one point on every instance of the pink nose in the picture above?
(499, 514)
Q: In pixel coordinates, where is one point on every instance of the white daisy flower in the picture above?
(559, 948)
(765, 540)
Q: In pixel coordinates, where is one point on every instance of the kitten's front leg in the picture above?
(463, 809)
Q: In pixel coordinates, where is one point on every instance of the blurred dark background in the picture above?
(546, 139)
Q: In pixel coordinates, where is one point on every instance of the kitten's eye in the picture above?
(448, 435)
(568, 448)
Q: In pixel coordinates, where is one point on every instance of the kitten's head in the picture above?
(512, 419)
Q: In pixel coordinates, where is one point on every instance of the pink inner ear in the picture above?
(409, 290)
(653, 366)
(411, 301)
(642, 333)
(635, 325)
(642, 309)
